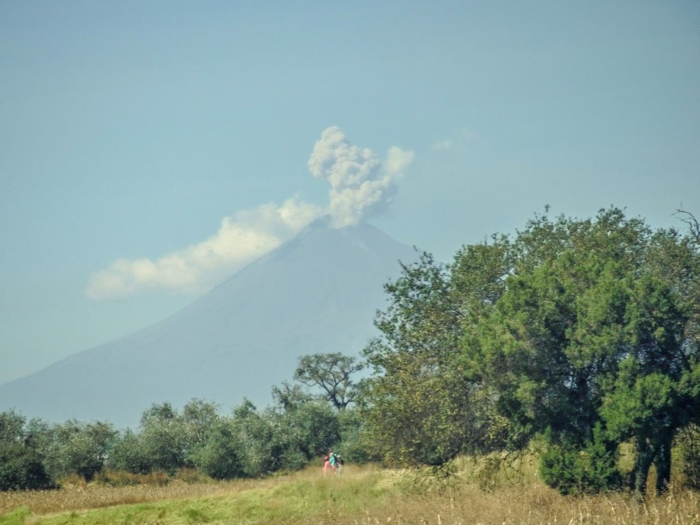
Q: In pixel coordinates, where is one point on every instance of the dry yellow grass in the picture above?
(531, 505)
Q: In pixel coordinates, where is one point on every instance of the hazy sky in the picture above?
(148, 149)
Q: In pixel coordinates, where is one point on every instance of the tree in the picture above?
(592, 331)
(691, 221)
(290, 397)
(689, 448)
(260, 447)
(356, 443)
(332, 374)
(584, 332)
(129, 454)
(79, 448)
(311, 429)
(219, 457)
(21, 460)
(199, 419)
(420, 405)
(163, 438)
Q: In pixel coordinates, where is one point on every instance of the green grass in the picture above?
(16, 517)
(306, 496)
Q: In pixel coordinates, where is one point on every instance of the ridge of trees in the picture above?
(300, 426)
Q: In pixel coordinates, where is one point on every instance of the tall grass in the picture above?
(533, 504)
(366, 496)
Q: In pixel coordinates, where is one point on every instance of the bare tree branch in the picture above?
(690, 220)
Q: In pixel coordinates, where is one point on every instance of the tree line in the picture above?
(571, 338)
(299, 426)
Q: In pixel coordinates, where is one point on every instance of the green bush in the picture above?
(78, 448)
(572, 470)
(311, 429)
(219, 457)
(128, 455)
(261, 447)
(355, 442)
(21, 468)
(293, 459)
(562, 469)
(163, 438)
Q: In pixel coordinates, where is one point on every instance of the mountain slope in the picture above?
(316, 293)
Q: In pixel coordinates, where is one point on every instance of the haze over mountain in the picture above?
(316, 293)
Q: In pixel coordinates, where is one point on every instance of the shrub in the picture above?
(219, 457)
(310, 429)
(293, 459)
(78, 448)
(128, 455)
(258, 451)
(163, 438)
(562, 468)
(356, 446)
(571, 470)
(21, 468)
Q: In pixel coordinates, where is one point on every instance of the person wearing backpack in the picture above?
(339, 464)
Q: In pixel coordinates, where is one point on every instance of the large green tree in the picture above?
(596, 328)
(582, 331)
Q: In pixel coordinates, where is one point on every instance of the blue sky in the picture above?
(130, 130)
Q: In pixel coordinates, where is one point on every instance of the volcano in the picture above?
(317, 293)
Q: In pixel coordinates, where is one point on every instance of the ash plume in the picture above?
(361, 185)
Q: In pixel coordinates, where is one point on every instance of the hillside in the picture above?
(316, 293)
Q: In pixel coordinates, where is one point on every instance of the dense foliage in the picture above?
(581, 332)
(21, 461)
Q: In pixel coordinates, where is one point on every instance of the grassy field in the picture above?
(366, 496)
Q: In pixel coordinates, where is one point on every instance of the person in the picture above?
(336, 462)
(326, 464)
(339, 463)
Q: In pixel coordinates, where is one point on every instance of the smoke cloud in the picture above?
(360, 185)
(194, 270)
